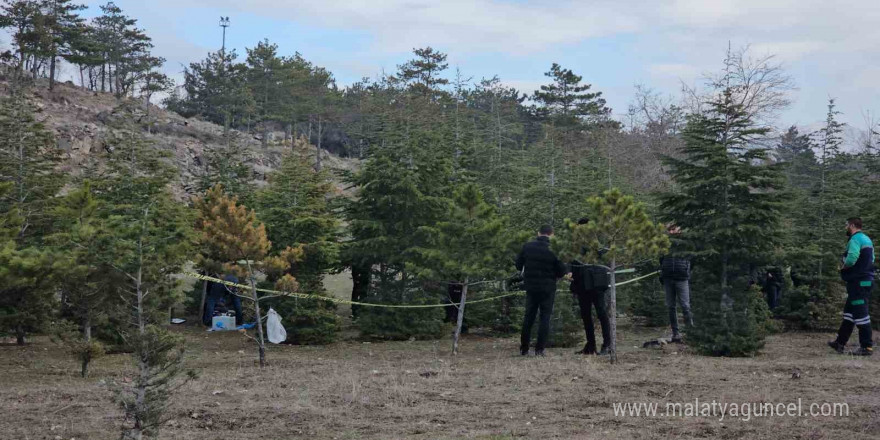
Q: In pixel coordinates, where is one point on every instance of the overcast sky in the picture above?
(830, 47)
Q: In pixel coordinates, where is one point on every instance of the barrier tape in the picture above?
(357, 303)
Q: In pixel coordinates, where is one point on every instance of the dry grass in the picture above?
(417, 390)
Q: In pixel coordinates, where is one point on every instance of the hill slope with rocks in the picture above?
(84, 122)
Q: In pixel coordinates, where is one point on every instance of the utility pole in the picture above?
(224, 23)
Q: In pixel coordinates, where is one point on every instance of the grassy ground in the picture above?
(353, 390)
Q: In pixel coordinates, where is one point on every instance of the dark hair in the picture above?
(583, 220)
(545, 230)
(855, 222)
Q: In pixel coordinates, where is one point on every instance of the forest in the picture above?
(453, 175)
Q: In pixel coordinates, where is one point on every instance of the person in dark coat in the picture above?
(772, 288)
(675, 274)
(541, 268)
(221, 293)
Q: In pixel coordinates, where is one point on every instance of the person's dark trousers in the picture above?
(539, 301)
(236, 305)
(680, 290)
(855, 313)
(209, 310)
(773, 294)
(588, 300)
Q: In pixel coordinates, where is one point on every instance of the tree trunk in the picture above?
(460, 322)
(612, 312)
(52, 73)
(261, 342)
(20, 335)
(204, 296)
(318, 147)
(87, 338)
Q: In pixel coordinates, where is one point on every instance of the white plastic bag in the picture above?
(276, 331)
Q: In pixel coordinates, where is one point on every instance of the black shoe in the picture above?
(605, 351)
(524, 352)
(539, 353)
(588, 349)
(838, 347)
(863, 351)
(676, 339)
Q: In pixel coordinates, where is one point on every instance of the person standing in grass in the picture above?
(541, 269)
(675, 274)
(857, 271)
(590, 297)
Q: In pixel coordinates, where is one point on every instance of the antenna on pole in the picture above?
(224, 23)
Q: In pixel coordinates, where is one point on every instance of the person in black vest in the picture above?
(588, 298)
(541, 268)
(675, 274)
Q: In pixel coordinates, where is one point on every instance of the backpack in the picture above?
(594, 277)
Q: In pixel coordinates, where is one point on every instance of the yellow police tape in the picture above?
(357, 303)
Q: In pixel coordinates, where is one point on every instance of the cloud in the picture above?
(789, 51)
(684, 72)
(457, 25)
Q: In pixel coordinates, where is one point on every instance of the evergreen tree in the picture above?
(29, 175)
(728, 206)
(296, 213)
(86, 278)
(566, 101)
(233, 232)
(469, 247)
(265, 77)
(400, 189)
(63, 23)
(422, 73)
(621, 225)
(216, 89)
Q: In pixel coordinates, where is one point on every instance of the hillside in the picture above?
(83, 121)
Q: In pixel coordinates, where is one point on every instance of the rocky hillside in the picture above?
(84, 121)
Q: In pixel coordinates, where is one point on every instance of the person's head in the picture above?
(853, 225)
(583, 220)
(545, 231)
(673, 229)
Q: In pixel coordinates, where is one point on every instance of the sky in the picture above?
(829, 47)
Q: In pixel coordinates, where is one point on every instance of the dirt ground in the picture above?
(353, 390)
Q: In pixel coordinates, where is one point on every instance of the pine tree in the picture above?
(422, 73)
(85, 277)
(728, 206)
(400, 189)
(566, 101)
(216, 88)
(621, 225)
(63, 23)
(29, 175)
(152, 241)
(233, 232)
(468, 247)
(296, 213)
(265, 78)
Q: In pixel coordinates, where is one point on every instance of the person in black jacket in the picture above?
(541, 268)
(772, 287)
(588, 299)
(675, 274)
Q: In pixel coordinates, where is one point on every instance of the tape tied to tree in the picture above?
(366, 304)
